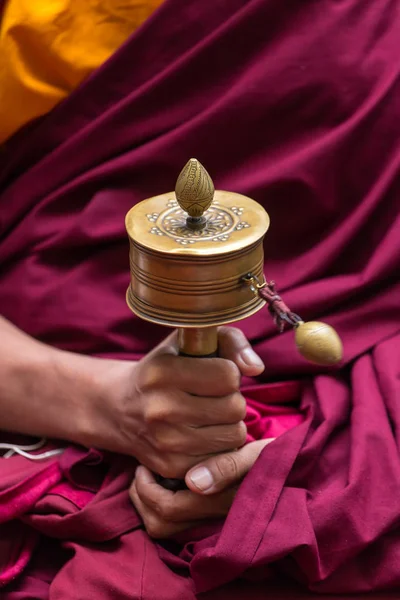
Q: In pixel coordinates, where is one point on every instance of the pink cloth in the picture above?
(82, 499)
(272, 410)
(297, 105)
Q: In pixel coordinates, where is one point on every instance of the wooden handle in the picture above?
(199, 343)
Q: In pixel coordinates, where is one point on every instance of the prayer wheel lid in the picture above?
(196, 219)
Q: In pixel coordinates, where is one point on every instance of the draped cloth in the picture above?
(296, 105)
(48, 48)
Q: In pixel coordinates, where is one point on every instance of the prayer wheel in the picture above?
(196, 262)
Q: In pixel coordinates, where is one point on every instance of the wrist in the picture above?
(107, 386)
(52, 393)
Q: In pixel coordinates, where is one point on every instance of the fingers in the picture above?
(224, 470)
(170, 465)
(171, 406)
(165, 512)
(215, 377)
(216, 438)
(183, 410)
(216, 411)
(155, 525)
(195, 441)
(234, 346)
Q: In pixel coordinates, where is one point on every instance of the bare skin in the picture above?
(170, 412)
(166, 513)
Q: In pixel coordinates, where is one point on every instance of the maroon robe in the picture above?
(297, 105)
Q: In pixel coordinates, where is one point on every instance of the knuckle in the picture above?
(237, 334)
(227, 467)
(159, 441)
(154, 373)
(170, 469)
(241, 434)
(233, 333)
(148, 376)
(231, 375)
(238, 407)
(235, 337)
(238, 434)
(168, 439)
(157, 410)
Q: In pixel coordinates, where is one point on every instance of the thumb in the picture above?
(233, 345)
(224, 470)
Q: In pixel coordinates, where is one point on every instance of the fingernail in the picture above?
(202, 478)
(139, 470)
(251, 358)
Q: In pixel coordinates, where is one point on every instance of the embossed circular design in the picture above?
(221, 223)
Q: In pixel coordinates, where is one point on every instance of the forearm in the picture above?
(51, 393)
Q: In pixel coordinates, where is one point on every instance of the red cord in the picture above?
(280, 312)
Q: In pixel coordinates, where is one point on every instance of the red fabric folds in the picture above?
(297, 105)
(102, 547)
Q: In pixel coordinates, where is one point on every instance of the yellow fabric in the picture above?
(47, 47)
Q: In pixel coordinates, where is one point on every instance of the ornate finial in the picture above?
(194, 191)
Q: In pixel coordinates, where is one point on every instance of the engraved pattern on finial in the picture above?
(194, 188)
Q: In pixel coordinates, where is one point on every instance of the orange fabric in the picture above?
(47, 47)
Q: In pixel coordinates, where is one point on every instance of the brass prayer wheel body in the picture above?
(196, 261)
(182, 277)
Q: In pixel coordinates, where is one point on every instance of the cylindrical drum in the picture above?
(188, 277)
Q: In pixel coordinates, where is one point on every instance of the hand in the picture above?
(168, 411)
(179, 410)
(171, 412)
(213, 485)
